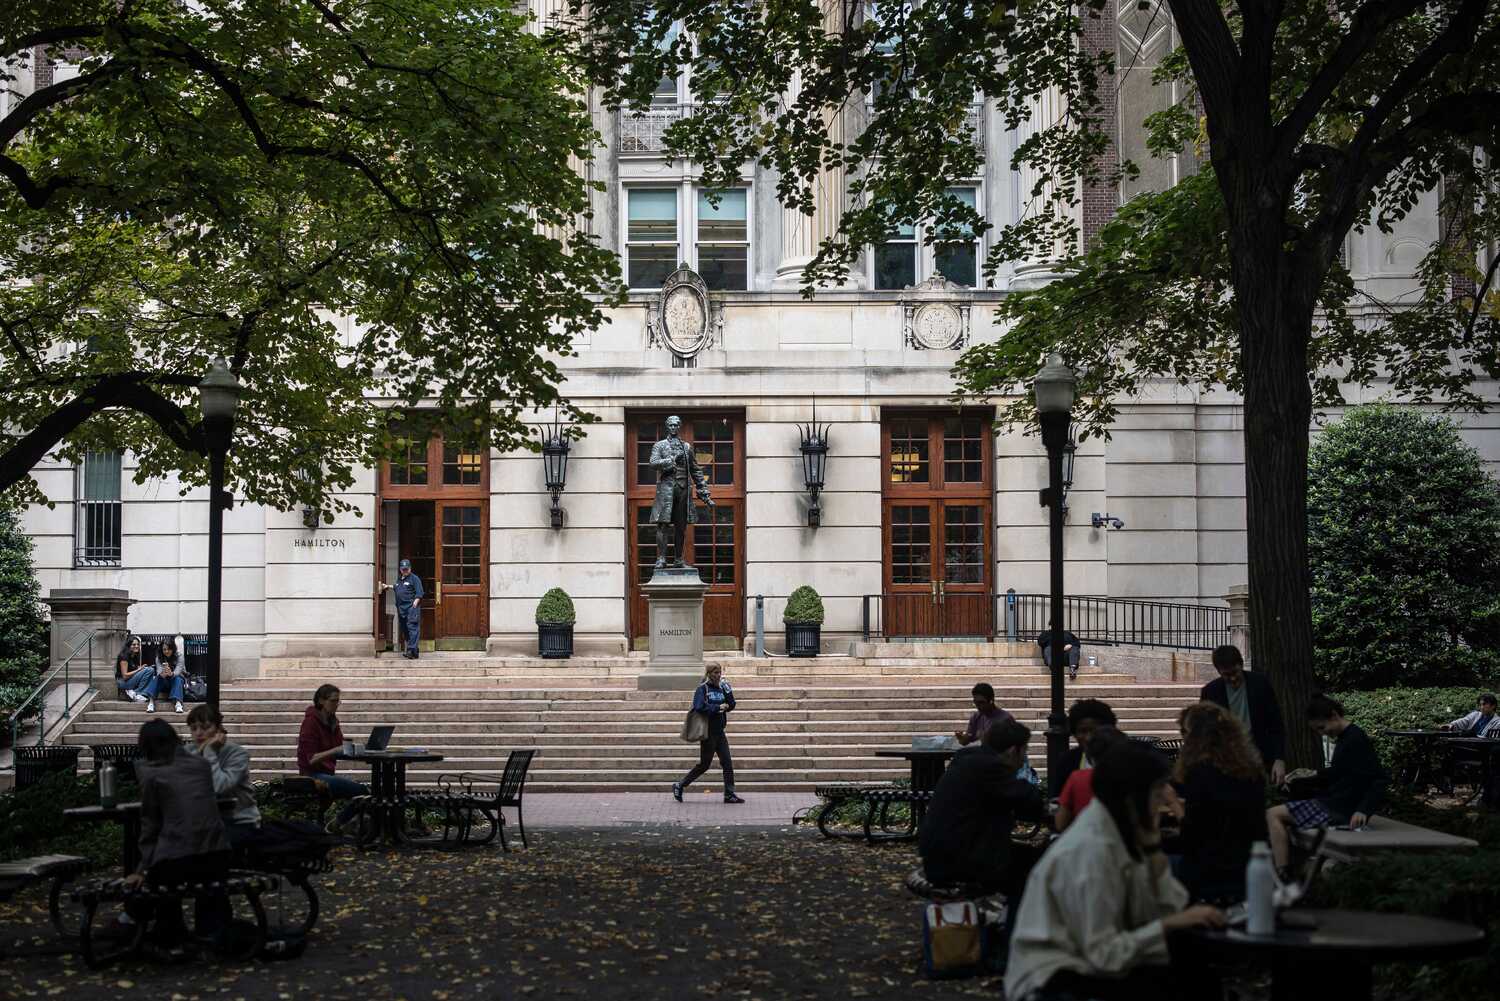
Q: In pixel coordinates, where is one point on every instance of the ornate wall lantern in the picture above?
(555, 449)
(814, 465)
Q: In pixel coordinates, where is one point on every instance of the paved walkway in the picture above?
(697, 809)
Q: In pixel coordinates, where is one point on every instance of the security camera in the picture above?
(1106, 520)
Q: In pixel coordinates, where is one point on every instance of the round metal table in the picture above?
(387, 802)
(1320, 954)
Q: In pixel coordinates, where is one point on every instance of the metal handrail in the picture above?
(1116, 621)
(38, 694)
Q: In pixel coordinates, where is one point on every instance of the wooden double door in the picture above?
(936, 525)
(434, 511)
(716, 543)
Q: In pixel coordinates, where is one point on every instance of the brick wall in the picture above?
(1102, 198)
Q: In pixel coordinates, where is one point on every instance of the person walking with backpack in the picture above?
(715, 700)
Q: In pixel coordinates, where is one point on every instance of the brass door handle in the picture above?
(934, 592)
(942, 593)
(439, 592)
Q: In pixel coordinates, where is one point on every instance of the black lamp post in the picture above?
(814, 466)
(1055, 386)
(555, 449)
(219, 393)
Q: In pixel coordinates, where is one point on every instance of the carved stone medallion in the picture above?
(936, 315)
(682, 318)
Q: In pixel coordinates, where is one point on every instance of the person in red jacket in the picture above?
(318, 744)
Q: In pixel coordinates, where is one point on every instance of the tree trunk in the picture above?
(1275, 297)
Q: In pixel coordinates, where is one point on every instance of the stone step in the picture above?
(472, 692)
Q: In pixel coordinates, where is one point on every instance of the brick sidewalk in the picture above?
(697, 809)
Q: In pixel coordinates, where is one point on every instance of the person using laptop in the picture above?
(1484, 721)
(986, 714)
(319, 743)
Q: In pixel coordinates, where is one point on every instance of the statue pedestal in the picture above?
(674, 596)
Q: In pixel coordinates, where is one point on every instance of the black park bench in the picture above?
(93, 893)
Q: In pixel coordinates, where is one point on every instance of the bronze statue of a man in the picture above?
(678, 475)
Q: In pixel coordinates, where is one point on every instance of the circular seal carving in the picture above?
(937, 326)
(684, 315)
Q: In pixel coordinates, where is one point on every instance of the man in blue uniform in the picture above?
(409, 607)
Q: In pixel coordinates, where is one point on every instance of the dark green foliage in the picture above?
(32, 823)
(23, 634)
(1403, 531)
(1459, 887)
(804, 607)
(1405, 709)
(556, 608)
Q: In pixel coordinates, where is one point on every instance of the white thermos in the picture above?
(107, 785)
(1260, 891)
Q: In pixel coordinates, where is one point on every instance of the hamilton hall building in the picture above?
(925, 520)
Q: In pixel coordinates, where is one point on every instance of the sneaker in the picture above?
(677, 791)
(135, 696)
(150, 706)
(178, 706)
(732, 798)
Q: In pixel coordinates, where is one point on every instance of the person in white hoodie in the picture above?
(230, 765)
(1099, 907)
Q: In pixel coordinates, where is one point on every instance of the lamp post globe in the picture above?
(219, 396)
(1055, 387)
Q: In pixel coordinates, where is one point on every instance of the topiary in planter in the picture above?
(555, 608)
(804, 607)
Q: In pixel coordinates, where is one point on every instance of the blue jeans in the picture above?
(158, 683)
(137, 682)
(411, 626)
(342, 788)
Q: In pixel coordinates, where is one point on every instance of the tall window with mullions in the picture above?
(96, 538)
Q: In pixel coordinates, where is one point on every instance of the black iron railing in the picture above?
(1118, 620)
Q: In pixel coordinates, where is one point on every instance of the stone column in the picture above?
(79, 612)
(1045, 267)
(674, 596)
(1239, 618)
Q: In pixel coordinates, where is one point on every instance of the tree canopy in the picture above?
(1404, 540)
(1317, 117)
(344, 200)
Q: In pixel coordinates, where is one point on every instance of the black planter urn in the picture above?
(803, 638)
(554, 640)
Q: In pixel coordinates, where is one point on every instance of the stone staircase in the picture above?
(800, 722)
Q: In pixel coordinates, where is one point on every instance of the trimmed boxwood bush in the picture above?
(1403, 528)
(804, 607)
(1405, 709)
(555, 609)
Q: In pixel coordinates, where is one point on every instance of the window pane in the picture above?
(909, 459)
(101, 476)
(645, 543)
(963, 450)
(958, 262)
(723, 268)
(963, 550)
(895, 265)
(724, 222)
(650, 264)
(461, 465)
(713, 544)
(665, 94)
(911, 544)
(653, 214)
(647, 434)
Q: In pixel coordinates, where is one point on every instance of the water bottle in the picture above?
(1260, 890)
(107, 785)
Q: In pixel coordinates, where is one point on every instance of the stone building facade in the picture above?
(927, 518)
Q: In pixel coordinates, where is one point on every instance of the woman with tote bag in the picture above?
(712, 703)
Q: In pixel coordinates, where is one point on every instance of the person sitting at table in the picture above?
(1482, 722)
(169, 674)
(1248, 695)
(1070, 651)
(131, 676)
(318, 745)
(1222, 784)
(986, 714)
(966, 835)
(1078, 791)
(1352, 786)
(182, 836)
(230, 766)
(1098, 907)
(1084, 717)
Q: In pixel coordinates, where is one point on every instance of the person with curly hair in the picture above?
(1221, 780)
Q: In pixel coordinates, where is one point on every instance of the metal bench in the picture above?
(836, 794)
(34, 764)
(106, 891)
(878, 815)
(60, 869)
